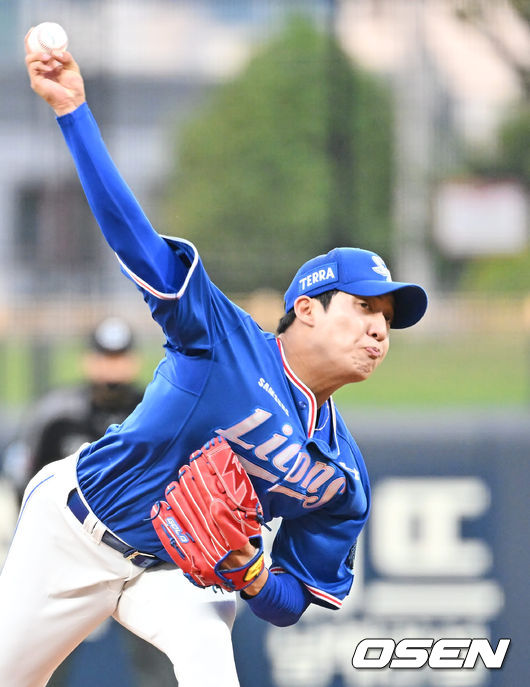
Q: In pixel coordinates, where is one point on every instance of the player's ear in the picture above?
(304, 308)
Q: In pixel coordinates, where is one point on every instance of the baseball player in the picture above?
(125, 525)
(65, 417)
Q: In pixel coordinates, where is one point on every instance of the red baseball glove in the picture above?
(211, 510)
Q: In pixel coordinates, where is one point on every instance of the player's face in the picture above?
(353, 335)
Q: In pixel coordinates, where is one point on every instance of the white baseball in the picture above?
(46, 37)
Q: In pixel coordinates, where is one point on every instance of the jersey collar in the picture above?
(302, 390)
(307, 396)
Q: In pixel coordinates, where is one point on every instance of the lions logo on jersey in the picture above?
(291, 470)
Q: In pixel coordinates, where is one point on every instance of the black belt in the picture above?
(143, 560)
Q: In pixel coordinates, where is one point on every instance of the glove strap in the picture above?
(235, 579)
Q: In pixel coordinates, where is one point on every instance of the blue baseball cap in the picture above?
(360, 273)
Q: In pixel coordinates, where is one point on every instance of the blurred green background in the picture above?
(467, 370)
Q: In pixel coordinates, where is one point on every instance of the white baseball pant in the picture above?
(59, 582)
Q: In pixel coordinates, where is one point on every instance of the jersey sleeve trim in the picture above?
(160, 294)
(323, 597)
(277, 570)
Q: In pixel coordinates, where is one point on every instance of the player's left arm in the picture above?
(312, 563)
(318, 549)
(280, 600)
(210, 525)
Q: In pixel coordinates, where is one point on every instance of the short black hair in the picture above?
(289, 317)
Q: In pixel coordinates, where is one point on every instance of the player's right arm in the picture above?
(57, 79)
(166, 270)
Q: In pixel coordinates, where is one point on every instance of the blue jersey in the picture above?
(222, 375)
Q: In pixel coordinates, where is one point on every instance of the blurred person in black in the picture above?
(64, 418)
(54, 427)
